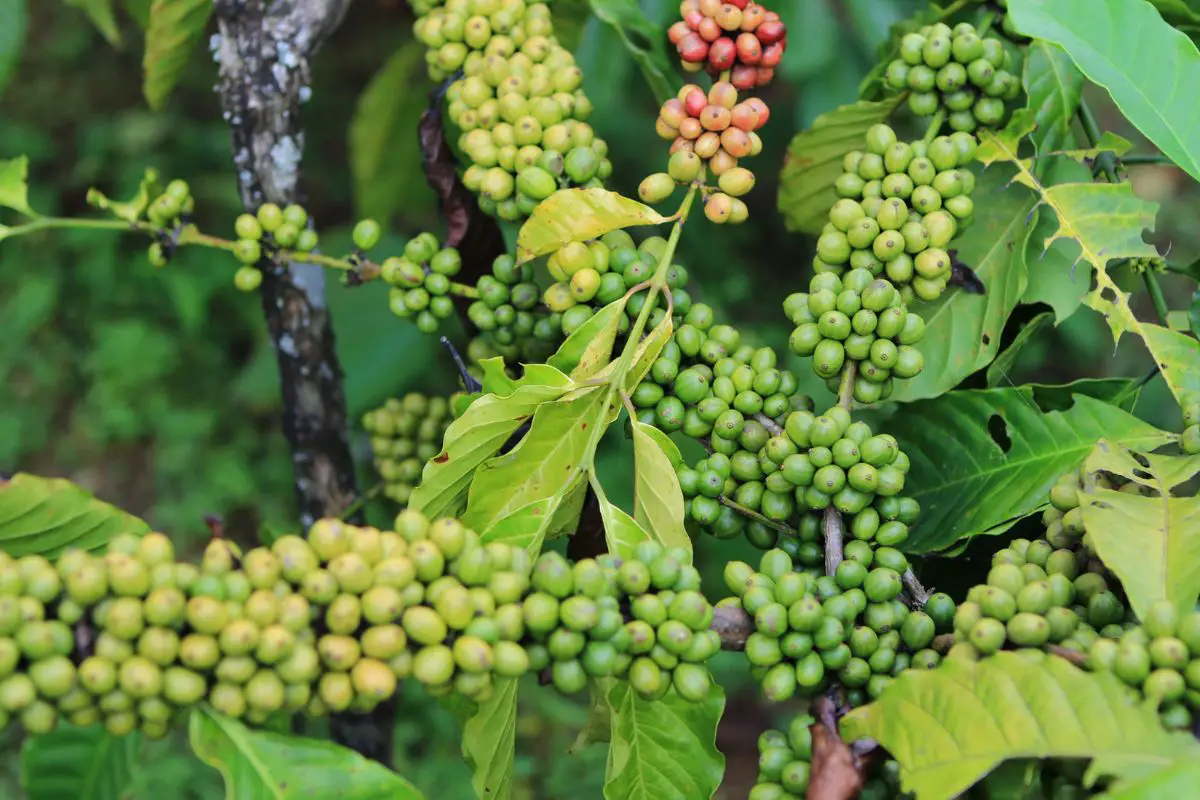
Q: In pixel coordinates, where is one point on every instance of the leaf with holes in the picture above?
(814, 161)
(14, 190)
(14, 23)
(385, 156)
(589, 347)
(1056, 276)
(258, 765)
(100, 12)
(490, 741)
(657, 498)
(963, 330)
(471, 440)
(576, 215)
(174, 28)
(1149, 68)
(663, 748)
(45, 516)
(78, 763)
(1120, 392)
(1106, 221)
(546, 464)
(983, 458)
(950, 726)
(1053, 86)
(645, 41)
(1151, 543)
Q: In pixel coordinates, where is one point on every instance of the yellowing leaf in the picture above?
(657, 498)
(1151, 543)
(175, 27)
(950, 726)
(622, 533)
(546, 464)
(814, 161)
(589, 347)
(577, 215)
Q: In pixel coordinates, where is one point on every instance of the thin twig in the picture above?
(771, 425)
(754, 515)
(919, 593)
(832, 525)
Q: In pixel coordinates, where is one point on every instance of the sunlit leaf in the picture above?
(1053, 86)
(1149, 68)
(490, 739)
(258, 765)
(657, 498)
(622, 533)
(590, 346)
(963, 330)
(497, 381)
(950, 726)
(546, 464)
(645, 41)
(983, 458)
(577, 215)
(175, 27)
(814, 161)
(663, 748)
(1151, 543)
(79, 764)
(47, 515)
(471, 440)
(14, 191)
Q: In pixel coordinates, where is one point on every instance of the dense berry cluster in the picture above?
(956, 70)
(168, 212)
(261, 235)
(900, 206)
(405, 433)
(709, 133)
(518, 102)
(851, 628)
(738, 36)
(785, 766)
(332, 622)
(420, 281)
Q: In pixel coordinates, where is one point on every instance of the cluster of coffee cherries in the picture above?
(421, 281)
(956, 70)
(709, 133)
(900, 206)
(168, 212)
(785, 766)
(518, 102)
(263, 234)
(331, 622)
(405, 433)
(849, 628)
(739, 36)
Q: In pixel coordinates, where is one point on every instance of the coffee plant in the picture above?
(856, 467)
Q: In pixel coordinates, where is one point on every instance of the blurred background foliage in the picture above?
(157, 389)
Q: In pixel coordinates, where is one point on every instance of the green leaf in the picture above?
(174, 28)
(139, 10)
(14, 191)
(1177, 779)
(384, 153)
(1120, 392)
(576, 215)
(100, 12)
(983, 458)
(1053, 87)
(622, 533)
(663, 748)
(497, 381)
(589, 347)
(963, 330)
(665, 442)
(1151, 543)
(657, 498)
(73, 763)
(490, 742)
(471, 440)
(47, 515)
(814, 161)
(1150, 69)
(130, 210)
(1056, 277)
(950, 726)
(546, 464)
(272, 766)
(598, 727)
(645, 41)
(1106, 222)
(999, 371)
(14, 23)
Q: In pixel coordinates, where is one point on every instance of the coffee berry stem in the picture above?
(46, 223)
(846, 387)
(935, 125)
(754, 515)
